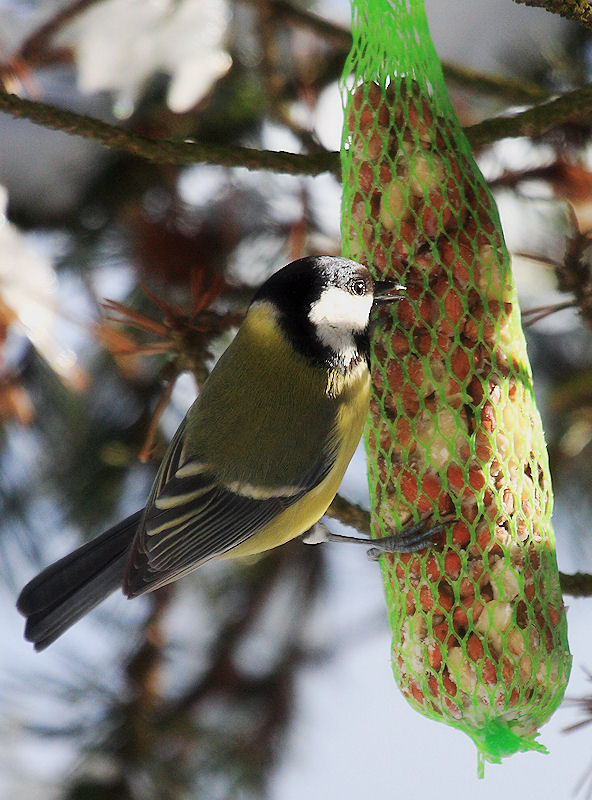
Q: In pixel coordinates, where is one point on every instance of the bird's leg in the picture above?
(318, 534)
(416, 537)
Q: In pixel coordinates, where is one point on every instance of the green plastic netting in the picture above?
(479, 629)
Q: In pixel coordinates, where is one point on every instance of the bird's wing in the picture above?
(192, 517)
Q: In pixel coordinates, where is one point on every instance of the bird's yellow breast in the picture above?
(351, 393)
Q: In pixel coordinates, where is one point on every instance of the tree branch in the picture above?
(577, 585)
(167, 152)
(533, 122)
(578, 10)
(350, 514)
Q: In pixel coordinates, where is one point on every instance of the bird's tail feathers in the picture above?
(68, 589)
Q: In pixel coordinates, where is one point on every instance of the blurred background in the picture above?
(121, 281)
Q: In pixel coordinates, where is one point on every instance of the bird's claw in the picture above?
(409, 540)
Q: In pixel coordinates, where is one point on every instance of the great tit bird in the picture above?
(259, 456)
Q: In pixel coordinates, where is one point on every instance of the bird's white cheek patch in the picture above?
(340, 309)
(336, 316)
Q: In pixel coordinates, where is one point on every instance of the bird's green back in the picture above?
(265, 406)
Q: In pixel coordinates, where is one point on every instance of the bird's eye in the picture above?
(358, 287)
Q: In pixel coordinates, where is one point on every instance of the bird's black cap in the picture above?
(300, 283)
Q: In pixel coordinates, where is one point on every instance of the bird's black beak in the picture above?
(387, 291)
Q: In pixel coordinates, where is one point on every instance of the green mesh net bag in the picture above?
(479, 629)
